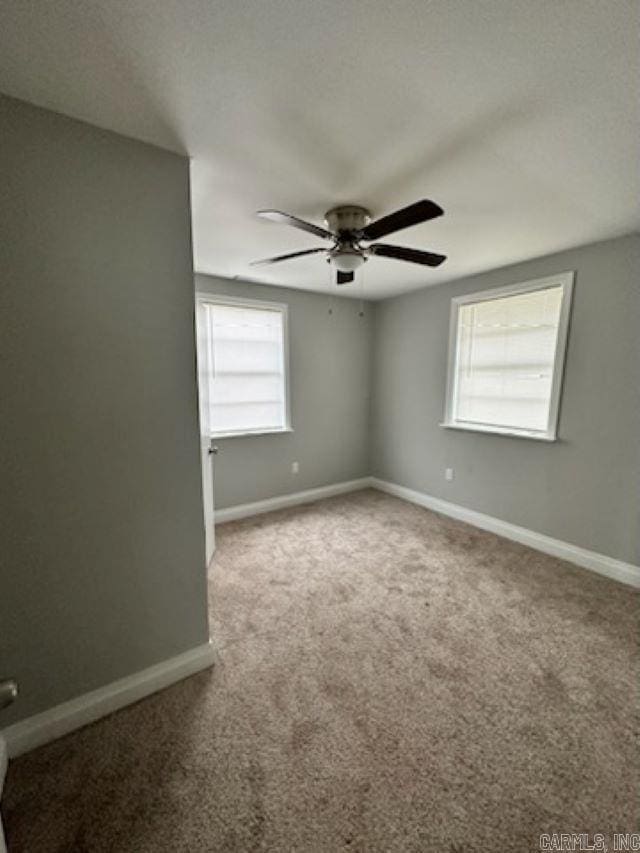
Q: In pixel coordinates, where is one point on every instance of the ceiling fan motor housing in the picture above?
(348, 218)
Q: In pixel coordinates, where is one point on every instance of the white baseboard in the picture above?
(233, 513)
(610, 567)
(616, 569)
(62, 719)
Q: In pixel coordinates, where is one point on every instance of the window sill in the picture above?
(241, 433)
(512, 433)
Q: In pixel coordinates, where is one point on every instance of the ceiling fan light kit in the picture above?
(348, 226)
(346, 256)
(345, 259)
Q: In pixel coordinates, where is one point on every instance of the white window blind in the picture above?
(508, 360)
(242, 364)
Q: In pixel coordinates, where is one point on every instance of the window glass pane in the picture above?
(243, 368)
(505, 360)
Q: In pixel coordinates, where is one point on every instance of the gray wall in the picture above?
(102, 558)
(584, 488)
(330, 360)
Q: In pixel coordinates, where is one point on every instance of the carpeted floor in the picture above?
(388, 680)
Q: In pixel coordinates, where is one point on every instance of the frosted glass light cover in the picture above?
(347, 261)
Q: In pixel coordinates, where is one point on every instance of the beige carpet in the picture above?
(388, 680)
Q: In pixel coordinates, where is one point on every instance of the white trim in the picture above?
(62, 719)
(616, 569)
(564, 280)
(608, 566)
(233, 513)
(495, 430)
(241, 433)
(240, 301)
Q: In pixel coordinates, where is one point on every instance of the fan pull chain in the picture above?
(330, 311)
(361, 284)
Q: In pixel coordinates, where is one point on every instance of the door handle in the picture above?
(8, 692)
(213, 450)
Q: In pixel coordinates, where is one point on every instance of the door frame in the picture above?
(206, 443)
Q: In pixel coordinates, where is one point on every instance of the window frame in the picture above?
(563, 279)
(264, 305)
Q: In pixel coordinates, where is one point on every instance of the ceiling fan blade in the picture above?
(421, 211)
(344, 277)
(401, 253)
(279, 258)
(288, 219)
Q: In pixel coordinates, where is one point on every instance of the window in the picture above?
(506, 357)
(242, 365)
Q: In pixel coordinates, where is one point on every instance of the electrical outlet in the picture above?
(448, 474)
(295, 467)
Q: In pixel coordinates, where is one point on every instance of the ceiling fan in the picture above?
(349, 226)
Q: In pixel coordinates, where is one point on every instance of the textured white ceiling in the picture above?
(520, 118)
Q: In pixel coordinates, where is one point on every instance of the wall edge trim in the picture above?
(618, 570)
(233, 513)
(62, 719)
